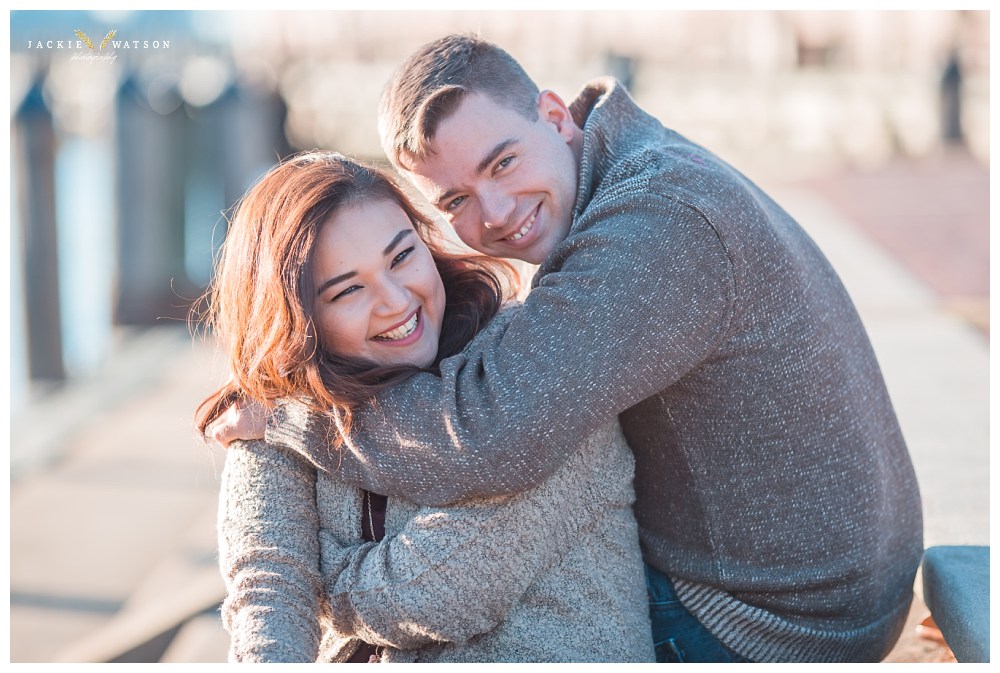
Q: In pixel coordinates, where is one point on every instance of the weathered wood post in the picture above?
(33, 147)
(951, 101)
(235, 138)
(151, 140)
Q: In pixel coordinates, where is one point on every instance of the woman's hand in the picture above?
(245, 420)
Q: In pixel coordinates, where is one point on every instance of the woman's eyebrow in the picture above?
(336, 279)
(395, 241)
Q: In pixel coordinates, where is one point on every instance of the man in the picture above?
(778, 508)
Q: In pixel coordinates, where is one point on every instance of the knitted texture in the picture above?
(773, 484)
(551, 574)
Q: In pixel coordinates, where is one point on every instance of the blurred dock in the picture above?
(113, 500)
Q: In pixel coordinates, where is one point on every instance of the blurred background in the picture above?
(133, 132)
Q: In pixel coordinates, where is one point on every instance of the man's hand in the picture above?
(245, 420)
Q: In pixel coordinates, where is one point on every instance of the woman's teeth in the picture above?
(401, 332)
(524, 230)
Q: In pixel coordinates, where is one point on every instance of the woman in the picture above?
(330, 288)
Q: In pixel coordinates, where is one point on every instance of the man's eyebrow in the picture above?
(480, 167)
(493, 154)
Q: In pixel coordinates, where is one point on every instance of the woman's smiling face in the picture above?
(378, 293)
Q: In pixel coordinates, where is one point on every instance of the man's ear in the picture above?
(553, 110)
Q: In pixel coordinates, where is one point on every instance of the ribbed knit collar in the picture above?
(613, 126)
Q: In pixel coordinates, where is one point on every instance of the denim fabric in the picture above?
(677, 635)
(956, 582)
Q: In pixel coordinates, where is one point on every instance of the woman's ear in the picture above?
(553, 110)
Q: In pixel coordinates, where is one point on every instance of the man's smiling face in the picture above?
(506, 183)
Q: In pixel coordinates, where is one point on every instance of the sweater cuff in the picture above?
(293, 426)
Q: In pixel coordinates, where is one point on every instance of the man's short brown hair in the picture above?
(435, 79)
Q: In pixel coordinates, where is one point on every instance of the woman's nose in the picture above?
(395, 297)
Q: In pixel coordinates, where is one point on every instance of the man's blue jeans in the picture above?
(677, 635)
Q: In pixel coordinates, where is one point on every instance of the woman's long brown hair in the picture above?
(260, 302)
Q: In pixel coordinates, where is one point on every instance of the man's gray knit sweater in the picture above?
(773, 484)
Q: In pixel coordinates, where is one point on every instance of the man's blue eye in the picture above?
(454, 203)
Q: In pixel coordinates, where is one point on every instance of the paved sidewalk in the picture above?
(113, 503)
(118, 517)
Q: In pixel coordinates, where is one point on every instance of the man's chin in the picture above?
(534, 253)
(521, 256)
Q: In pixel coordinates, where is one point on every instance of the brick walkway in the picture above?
(933, 215)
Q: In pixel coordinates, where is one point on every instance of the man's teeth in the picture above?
(524, 230)
(401, 332)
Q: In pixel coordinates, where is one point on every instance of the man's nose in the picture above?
(497, 208)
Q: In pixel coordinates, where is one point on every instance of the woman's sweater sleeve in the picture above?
(269, 555)
(451, 574)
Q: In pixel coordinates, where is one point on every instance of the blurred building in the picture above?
(133, 133)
